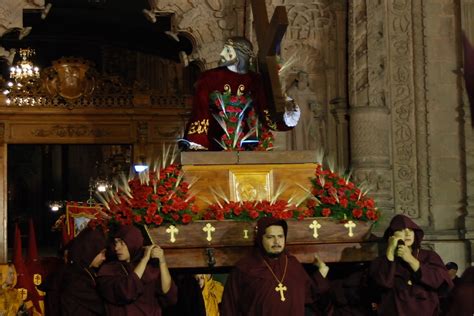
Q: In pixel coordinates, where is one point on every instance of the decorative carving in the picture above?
(2, 132)
(369, 115)
(309, 21)
(377, 180)
(199, 19)
(250, 185)
(70, 131)
(142, 132)
(358, 74)
(11, 15)
(170, 132)
(400, 39)
(70, 78)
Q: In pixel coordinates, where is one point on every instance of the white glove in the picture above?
(196, 146)
(291, 117)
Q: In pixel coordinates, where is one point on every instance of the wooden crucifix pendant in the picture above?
(280, 288)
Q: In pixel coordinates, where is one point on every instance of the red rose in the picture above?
(343, 202)
(157, 219)
(186, 218)
(253, 214)
(357, 213)
(326, 212)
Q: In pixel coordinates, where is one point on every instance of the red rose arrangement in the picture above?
(240, 122)
(253, 210)
(154, 198)
(334, 196)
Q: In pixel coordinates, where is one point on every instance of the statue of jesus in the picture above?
(230, 106)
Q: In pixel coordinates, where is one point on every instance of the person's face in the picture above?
(98, 260)
(452, 273)
(121, 250)
(201, 278)
(228, 56)
(273, 240)
(407, 235)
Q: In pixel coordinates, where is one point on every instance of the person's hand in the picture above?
(148, 250)
(404, 252)
(158, 253)
(392, 246)
(322, 267)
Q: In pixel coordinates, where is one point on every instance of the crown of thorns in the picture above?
(240, 46)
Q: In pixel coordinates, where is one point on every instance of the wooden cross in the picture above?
(315, 226)
(172, 230)
(246, 234)
(280, 288)
(209, 229)
(269, 36)
(349, 225)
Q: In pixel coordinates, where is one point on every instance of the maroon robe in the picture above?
(125, 293)
(202, 128)
(78, 290)
(462, 297)
(403, 291)
(250, 288)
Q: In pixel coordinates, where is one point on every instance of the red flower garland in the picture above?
(253, 210)
(339, 198)
(164, 199)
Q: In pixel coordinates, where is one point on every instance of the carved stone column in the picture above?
(370, 134)
(340, 113)
(369, 115)
(3, 195)
(467, 20)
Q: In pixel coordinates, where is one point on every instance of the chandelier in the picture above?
(21, 91)
(24, 69)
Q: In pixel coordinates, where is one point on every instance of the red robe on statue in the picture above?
(202, 128)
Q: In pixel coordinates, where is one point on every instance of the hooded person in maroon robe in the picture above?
(234, 77)
(462, 297)
(409, 278)
(78, 291)
(132, 285)
(270, 281)
(53, 281)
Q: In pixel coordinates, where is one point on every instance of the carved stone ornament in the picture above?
(70, 131)
(70, 78)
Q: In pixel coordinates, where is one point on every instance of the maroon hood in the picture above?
(400, 222)
(262, 224)
(86, 246)
(133, 238)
